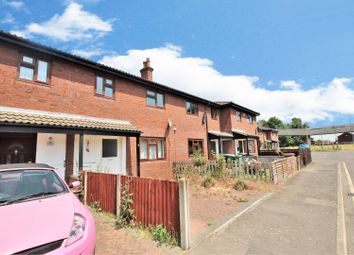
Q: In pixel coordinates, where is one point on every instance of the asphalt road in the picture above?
(312, 215)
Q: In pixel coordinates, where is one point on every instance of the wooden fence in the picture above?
(243, 168)
(154, 201)
(101, 188)
(269, 169)
(283, 169)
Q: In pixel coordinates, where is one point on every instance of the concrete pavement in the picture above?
(313, 214)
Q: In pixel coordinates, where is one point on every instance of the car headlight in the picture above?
(77, 229)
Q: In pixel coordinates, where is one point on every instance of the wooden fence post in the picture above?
(184, 213)
(85, 187)
(118, 196)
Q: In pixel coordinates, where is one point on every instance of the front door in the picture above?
(17, 148)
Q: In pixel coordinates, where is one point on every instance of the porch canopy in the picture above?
(219, 134)
(241, 134)
(17, 120)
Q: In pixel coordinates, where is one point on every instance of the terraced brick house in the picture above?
(268, 138)
(73, 113)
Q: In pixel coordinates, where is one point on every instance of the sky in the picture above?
(282, 58)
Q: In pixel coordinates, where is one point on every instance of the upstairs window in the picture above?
(152, 149)
(32, 69)
(104, 86)
(250, 119)
(214, 113)
(192, 108)
(155, 99)
(195, 146)
(238, 116)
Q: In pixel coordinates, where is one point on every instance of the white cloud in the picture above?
(87, 53)
(292, 85)
(198, 76)
(73, 24)
(8, 19)
(17, 5)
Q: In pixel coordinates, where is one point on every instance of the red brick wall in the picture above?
(250, 129)
(71, 90)
(226, 119)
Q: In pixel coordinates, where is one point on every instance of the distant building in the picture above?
(268, 138)
(346, 138)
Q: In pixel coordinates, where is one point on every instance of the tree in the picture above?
(276, 123)
(272, 122)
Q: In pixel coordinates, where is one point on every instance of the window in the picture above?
(241, 146)
(195, 146)
(109, 148)
(104, 86)
(238, 116)
(251, 146)
(32, 69)
(192, 108)
(250, 119)
(152, 149)
(154, 99)
(214, 113)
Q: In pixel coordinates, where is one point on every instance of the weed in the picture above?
(126, 211)
(96, 206)
(208, 182)
(161, 235)
(240, 185)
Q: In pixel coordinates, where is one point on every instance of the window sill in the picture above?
(153, 160)
(156, 107)
(42, 83)
(103, 96)
(193, 115)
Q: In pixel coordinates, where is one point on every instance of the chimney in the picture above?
(146, 71)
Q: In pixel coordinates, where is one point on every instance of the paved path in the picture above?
(312, 215)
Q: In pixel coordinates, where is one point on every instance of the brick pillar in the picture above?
(69, 156)
(131, 156)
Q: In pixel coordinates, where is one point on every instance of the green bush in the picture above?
(208, 182)
(240, 185)
(220, 170)
(161, 235)
(198, 159)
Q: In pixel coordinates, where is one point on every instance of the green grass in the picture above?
(344, 147)
(314, 148)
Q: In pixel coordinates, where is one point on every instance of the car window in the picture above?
(20, 184)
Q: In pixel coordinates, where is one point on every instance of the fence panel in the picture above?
(155, 201)
(102, 188)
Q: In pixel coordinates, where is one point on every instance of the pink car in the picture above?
(39, 214)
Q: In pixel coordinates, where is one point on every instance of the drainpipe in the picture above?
(206, 129)
(81, 151)
(138, 155)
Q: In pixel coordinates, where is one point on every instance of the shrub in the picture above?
(208, 182)
(220, 170)
(198, 159)
(162, 236)
(126, 211)
(240, 185)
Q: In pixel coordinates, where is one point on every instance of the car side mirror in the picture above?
(74, 185)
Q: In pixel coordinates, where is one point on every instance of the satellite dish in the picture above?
(169, 121)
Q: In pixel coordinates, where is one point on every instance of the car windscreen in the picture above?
(20, 185)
